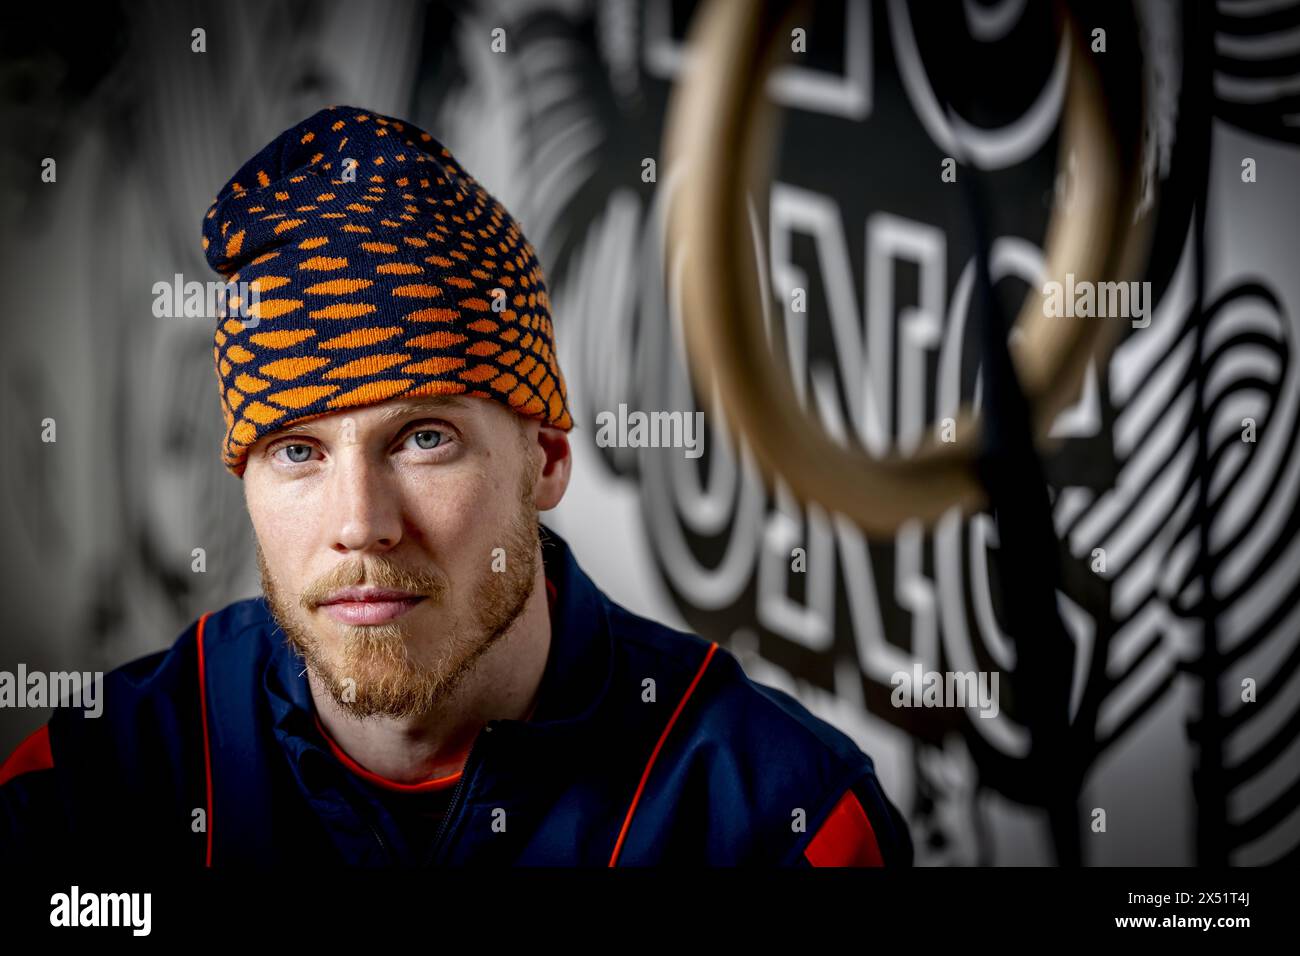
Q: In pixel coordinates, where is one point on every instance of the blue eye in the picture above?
(426, 439)
(292, 450)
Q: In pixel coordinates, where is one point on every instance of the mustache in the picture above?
(377, 572)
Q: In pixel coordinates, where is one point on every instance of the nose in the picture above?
(366, 508)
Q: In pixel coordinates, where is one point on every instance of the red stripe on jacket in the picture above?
(32, 754)
(846, 838)
(645, 775)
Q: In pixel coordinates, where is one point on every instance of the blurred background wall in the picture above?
(100, 525)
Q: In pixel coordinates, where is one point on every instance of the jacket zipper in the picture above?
(436, 850)
(380, 840)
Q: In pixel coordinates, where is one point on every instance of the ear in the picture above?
(556, 463)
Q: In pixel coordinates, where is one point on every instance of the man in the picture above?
(429, 678)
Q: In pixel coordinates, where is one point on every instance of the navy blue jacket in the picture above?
(210, 754)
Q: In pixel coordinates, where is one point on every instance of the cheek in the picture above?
(284, 524)
(462, 516)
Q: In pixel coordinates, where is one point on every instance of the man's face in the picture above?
(378, 532)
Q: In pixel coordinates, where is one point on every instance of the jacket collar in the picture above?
(579, 667)
(575, 681)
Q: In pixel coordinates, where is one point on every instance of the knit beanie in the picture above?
(376, 267)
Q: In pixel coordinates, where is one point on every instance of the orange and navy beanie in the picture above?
(376, 267)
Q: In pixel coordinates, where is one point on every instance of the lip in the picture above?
(368, 605)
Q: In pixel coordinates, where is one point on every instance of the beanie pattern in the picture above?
(382, 269)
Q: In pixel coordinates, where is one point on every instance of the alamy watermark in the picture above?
(1101, 300)
(179, 299)
(75, 908)
(917, 688)
(651, 430)
(76, 689)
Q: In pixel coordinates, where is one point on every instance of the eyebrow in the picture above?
(434, 403)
